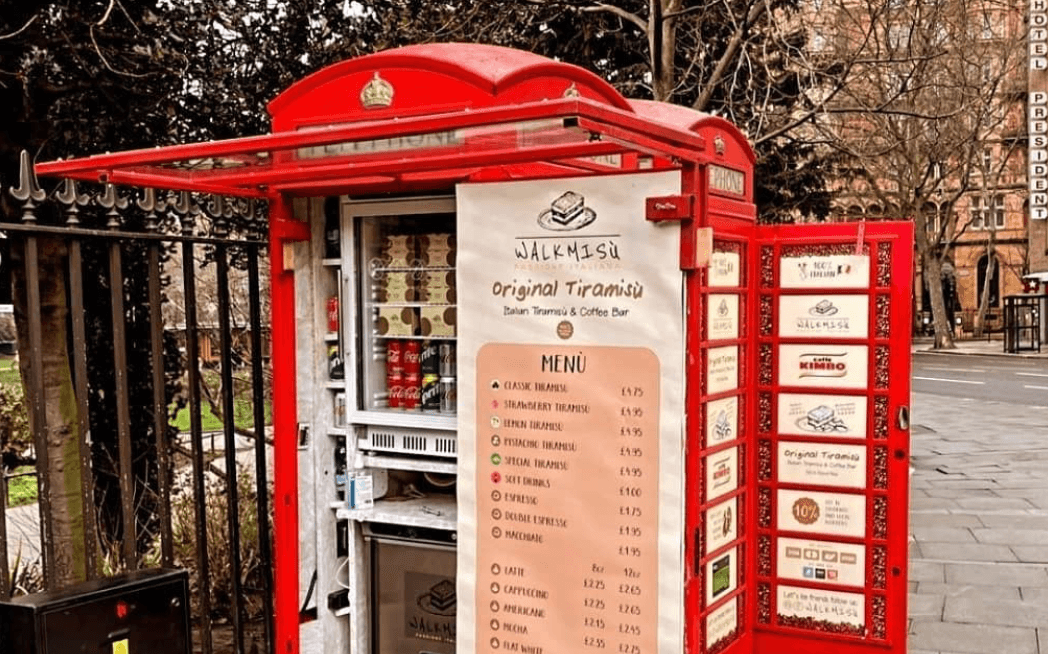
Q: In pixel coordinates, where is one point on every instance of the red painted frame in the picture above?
(445, 87)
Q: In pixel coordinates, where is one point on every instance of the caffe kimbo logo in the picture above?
(823, 365)
(806, 511)
(567, 213)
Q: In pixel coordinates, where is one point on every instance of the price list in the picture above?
(567, 499)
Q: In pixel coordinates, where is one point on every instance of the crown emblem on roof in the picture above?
(376, 93)
(718, 144)
(572, 91)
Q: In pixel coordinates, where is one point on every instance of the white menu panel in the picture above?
(822, 464)
(722, 473)
(722, 524)
(835, 514)
(837, 416)
(821, 561)
(722, 421)
(824, 316)
(725, 270)
(722, 372)
(826, 271)
(823, 606)
(824, 366)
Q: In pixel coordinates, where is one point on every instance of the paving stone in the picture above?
(953, 492)
(972, 639)
(925, 607)
(967, 552)
(993, 503)
(1031, 553)
(922, 571)
(1009, 613)
(982, 574)
(1031, 594)
(968, 590)
(927, 503)
(1013, 536)
(943, 534)
(1028, 521)
(945, 520)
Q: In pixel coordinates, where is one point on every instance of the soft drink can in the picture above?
(447, 359)
(332, 314)
(412, 389)
(448, 395)
(412, 350)
(395, 391)
(429, 394)
(429, 359)
(394, 356)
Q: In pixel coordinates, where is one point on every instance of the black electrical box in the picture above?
(141, 612)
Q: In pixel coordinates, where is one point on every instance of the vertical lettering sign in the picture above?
(570, 418)
(1037, 153)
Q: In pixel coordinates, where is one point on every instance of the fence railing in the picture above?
(112, 268)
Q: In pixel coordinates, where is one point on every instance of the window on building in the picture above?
(986, 216)
(987, 26)
(994, 298)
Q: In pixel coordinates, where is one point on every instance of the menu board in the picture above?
(550, 417)
(821, 561)
(571, 411)
(835, 514)
(836, 416)
(824, 366)
(822, 464)
(824, 316)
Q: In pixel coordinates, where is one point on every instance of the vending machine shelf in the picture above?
(448, 467)
(404, 419)
(436, 512)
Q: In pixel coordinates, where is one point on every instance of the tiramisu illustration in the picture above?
(823, 308)
(722, 427)
(440, 599)
(567, 213)
(822, 419)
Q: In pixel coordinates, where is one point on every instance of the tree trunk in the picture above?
(662, 46)
(932, 274)
(984, 299)
(63, 449)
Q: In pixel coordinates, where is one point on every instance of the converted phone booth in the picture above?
(542, 384)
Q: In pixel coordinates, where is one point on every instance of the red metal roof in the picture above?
(432, 114)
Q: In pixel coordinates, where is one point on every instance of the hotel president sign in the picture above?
(1038, 110)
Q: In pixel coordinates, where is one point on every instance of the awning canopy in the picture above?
(423, 117)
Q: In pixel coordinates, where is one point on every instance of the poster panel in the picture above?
(822, 464)
(824, 316)
(834, 514)
(826, 609)
(722, 369)
(722, 524)
(725, 269)
(722, 623)
(722, 575)
(825, 271)
(722, 319)
(722, 473)
(821, 561)
(824, 366)
(722, 421)
(836, 416)
(571, 378)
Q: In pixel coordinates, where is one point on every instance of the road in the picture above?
(1011, 380)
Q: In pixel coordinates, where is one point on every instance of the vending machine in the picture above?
(542, 384)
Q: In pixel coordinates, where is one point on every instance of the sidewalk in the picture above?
(981, 346)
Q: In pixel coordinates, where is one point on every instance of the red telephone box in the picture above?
(542, 384)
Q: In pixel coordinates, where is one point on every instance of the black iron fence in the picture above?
(102, 394)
